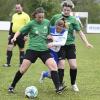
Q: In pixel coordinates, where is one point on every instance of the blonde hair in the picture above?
(63, 22)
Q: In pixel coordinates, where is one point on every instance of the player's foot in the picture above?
(42, 77)
(63, 85)
(6, 65)
(60, 89)
(75, 88)
(11, 89)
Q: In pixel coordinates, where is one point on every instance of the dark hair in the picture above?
(67, 5)
(38, 10)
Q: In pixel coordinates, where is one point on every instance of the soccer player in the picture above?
(69, 50)
(38, 31)
(58, 34)
(19, 19)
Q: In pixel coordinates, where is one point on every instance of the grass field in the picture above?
(88, 74)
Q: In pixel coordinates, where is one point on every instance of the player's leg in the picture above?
(30, 57)
(61, 66)
(73, 73)
(23, 68)
(44, 74)
(47, 74)
(61, 63)
(71, 56)
(48, 61)
(21, 43)
(9, 52)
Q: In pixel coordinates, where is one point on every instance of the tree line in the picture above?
(51, 7)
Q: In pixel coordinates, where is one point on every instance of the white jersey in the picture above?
(59, 39)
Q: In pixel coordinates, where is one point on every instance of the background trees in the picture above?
(51, 7)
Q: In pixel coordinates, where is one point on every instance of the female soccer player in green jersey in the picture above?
(38, 30)
(69, 51)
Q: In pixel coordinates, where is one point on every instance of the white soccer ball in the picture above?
(31, 92)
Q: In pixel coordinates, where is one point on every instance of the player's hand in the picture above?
(49, 45)
(13, 40)
(9, 37)
(25, 38)
(49, 37)
(88, 45)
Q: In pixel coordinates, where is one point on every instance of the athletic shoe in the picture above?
(6, 65)
(60, 89)
(75, 88)
(11, 89)
(42, 77)
(63, 85)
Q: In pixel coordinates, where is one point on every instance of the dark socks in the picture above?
(21, 56)
(61, 75)
(16, 79)
(55, 78)
(73, 74)
(9, 55)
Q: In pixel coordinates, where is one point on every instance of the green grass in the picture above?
(88, 78)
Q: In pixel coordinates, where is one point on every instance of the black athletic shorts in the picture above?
(67, 51)
(19, 41)
(32, 55)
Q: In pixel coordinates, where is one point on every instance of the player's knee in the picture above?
(10, 47)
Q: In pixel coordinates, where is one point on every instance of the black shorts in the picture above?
(19, 41)
(33, 55)
(67, 51)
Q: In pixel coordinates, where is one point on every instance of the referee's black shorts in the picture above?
(67, 51)
(32, 55)
(19, 41)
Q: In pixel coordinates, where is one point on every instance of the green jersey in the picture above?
(73, 24)
(37, 34)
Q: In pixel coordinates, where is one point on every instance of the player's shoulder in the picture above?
(46, 21)
(72, 17)
(25, 14)
(57, 15)
(15, 14)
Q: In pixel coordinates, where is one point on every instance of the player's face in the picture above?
(18, 8)
(39, 17)
(66, 11)
(59, 27)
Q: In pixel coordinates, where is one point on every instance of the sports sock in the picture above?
(46, 74)
(9, 55)
(21, 56)
(73, 74)
(16, 78)
(61, 75)
(55, 79)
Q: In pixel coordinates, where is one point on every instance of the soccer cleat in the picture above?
(60, 89)
(63, 85)
(75, 88)
(42, 77)
(11, 89)
(6, 65)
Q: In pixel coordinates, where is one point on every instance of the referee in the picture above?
(19, 19)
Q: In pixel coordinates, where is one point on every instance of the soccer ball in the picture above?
(31, 92)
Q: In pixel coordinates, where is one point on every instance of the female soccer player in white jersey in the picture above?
(58, 37)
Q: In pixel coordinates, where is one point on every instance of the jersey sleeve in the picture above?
(26, 28)
(62, 39)
(77, 25)
(52, 21)
(27, 18)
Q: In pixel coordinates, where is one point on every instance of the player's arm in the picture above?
(10, 30)
(83, 37)
(60, 42)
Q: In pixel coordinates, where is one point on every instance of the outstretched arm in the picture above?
(83, 37)
(15, 36)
